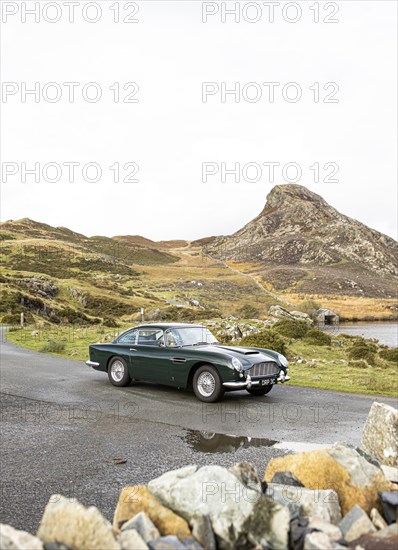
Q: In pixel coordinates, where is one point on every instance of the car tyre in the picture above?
(118, 373)
(207, 384)
(260, 391)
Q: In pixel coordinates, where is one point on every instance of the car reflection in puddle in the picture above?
(211, 442)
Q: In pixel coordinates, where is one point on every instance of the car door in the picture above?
(149, 360)
(124, 345)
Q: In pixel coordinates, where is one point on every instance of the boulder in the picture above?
(323, 504)
(355, 524)
(380, 434)
(279, 312)
(131, 540)
(138, 498)
(240, 516)
(76, 526)
(166, 543)
(143, 526)
(341, 468)
(13, 539)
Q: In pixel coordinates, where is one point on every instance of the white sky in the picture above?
(170, 132)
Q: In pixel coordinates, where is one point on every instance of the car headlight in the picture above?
(237, 364)
(283, 361)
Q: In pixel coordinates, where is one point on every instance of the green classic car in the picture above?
(187, 356)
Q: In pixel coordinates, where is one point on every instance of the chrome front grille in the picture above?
(263, 369)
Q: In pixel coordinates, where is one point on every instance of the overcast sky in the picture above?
(337, 115)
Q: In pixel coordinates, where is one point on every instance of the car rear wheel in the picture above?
(260, 391)
(207, 384)
(118, 372)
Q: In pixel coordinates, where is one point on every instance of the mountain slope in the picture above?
(298, 238)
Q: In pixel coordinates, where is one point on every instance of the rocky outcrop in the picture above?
(380, 434)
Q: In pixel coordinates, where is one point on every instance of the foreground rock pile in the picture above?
(332, 498)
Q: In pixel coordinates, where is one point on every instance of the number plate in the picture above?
(267, 382)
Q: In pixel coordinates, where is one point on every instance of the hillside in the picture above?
(298, 248)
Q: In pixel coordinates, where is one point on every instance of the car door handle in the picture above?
(178, 359)
(133, 349)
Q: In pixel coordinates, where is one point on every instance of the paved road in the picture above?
(63, 425)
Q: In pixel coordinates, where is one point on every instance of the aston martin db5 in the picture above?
(187, 356)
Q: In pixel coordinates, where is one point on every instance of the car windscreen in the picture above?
(189, 336)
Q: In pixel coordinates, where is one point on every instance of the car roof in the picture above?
(168, 325)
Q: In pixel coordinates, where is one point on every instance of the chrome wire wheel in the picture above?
(117, 371)
(206, 384)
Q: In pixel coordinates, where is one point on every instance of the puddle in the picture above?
(211, 442)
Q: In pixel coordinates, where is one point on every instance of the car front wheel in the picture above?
(118, 372)
(207, 384)
(260, 391)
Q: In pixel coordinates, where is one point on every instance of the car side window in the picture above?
(149, 337)
(129, 337)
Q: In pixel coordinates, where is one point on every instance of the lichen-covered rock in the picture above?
(341, 468)
(332, 531)
(138, 498)
(76, 526)
(247, 475)
(14, 539)
(202, 531)
(240, 517)
(380, 434)
(323, 504)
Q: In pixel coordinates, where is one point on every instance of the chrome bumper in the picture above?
(92, 364)
(249, 383)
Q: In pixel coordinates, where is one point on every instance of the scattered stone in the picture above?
(279, 312)
(340, 467)
(389, 504)
(144, 527)
(380, 434)
(203, 532)
(131, 540)
(76, 526)
(286, 478)
(317, 541)
(239, 515)
(247, 475)
(332, 531)
(13, 539)
(377, 519)
(355, 524)
(323, 504)
(138, 498)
